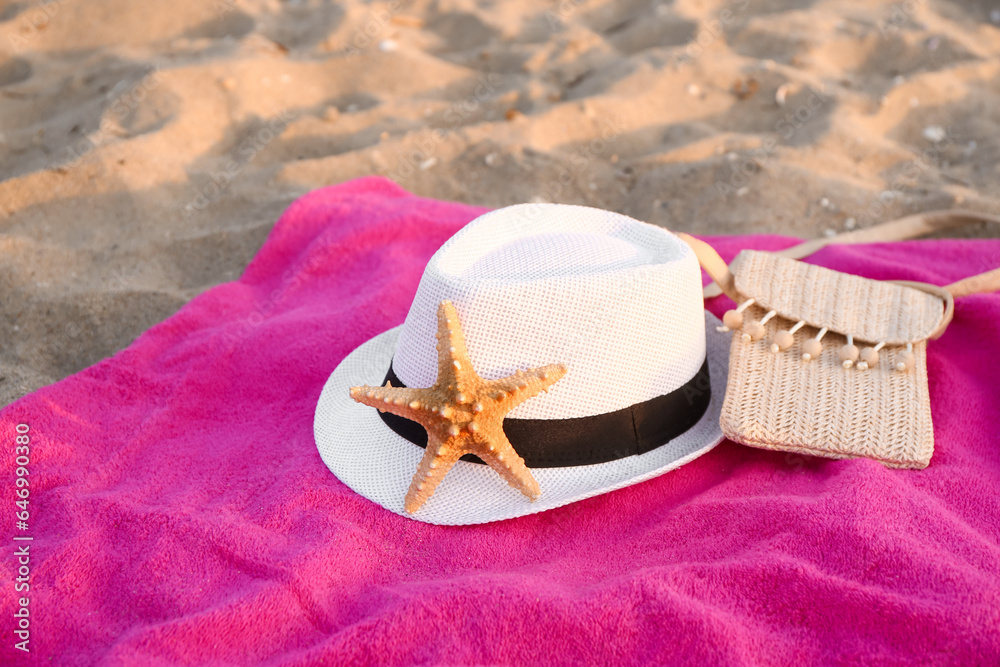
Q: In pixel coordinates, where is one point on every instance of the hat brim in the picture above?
(377, 463)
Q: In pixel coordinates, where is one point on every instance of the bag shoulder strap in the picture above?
(908, 227)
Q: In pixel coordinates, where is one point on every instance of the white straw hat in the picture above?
(616, 301)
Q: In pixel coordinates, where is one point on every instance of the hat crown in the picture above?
(618, 301)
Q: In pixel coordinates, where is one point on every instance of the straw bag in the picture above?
(831, 364)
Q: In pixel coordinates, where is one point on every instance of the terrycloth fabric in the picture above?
(181, 513)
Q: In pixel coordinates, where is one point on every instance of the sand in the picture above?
(146, 149)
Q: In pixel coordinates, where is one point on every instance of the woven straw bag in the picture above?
(832, 364)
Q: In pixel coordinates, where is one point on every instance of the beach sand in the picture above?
(146, 149)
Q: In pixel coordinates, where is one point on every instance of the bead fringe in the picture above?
(733, 319)
(850, 356)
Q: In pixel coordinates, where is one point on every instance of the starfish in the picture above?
(462, 413)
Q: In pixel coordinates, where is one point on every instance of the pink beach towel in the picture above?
(180, 513)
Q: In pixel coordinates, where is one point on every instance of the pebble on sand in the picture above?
(935, 133)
